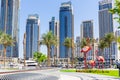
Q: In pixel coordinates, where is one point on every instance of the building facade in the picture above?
(32, 35)
(10, 24)
(77, 47)
(106, 26)
(66, 27)
(87, 32)
(87, 29)
(117, 55)
(54, 27)
(105, 18)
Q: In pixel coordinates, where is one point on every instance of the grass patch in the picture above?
(114, 73)
(68, 70)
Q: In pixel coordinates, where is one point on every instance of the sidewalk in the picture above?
(66, 77)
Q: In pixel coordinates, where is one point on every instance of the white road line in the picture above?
(66, 77)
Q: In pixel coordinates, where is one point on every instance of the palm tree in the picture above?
(83, 43)
(118, 40)
(116, 11)
(49, 39)
(69, 43)
(102, 45)
(109, 38)
(73, 47)
(6, 40)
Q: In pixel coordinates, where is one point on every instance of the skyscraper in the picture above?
(32, 35)
(10, 24)
(54, 27)
(105, 18)
(106, 26)
(66, 26)
(87, 29)
(117, 54)
(87, 32)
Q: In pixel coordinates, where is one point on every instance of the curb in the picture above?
(22, 71)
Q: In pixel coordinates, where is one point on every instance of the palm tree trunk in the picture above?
(72, 57)
(110, 57)
(4, 55)
(48, 56)
(68, 57)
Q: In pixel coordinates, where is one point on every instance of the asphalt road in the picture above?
(87, 76)
(54, 74)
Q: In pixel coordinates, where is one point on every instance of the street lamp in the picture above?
(24, 48)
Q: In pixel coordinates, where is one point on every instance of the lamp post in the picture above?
(24, 48)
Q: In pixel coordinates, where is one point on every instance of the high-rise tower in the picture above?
(54, 27)
(87, 32)
(10, 24)
(105, 18)
(106, 26)
(66, 26)
(32, 35)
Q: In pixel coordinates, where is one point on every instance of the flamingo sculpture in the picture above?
(92, 63)
(100, 59)
(85, 49)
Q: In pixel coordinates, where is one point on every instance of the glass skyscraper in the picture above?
(117, 54)
(87, 32)
(66, 27)
(105, 18)
(87, 29)
(10, 24)
(32, 35)
(106, 26)
(54, 27)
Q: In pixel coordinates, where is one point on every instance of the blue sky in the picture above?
(46, 9)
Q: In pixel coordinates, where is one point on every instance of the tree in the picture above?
(6, 40)
(109, 38)
(118, 40)
(39, 57)
(102, 45)
(116, 11)
(83, 43)
(49, 39)
(69, 43)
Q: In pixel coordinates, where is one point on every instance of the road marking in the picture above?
(66, 77)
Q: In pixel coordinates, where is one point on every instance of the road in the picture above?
(53, 74)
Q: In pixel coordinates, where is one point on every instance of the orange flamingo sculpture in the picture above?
(92, 63)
